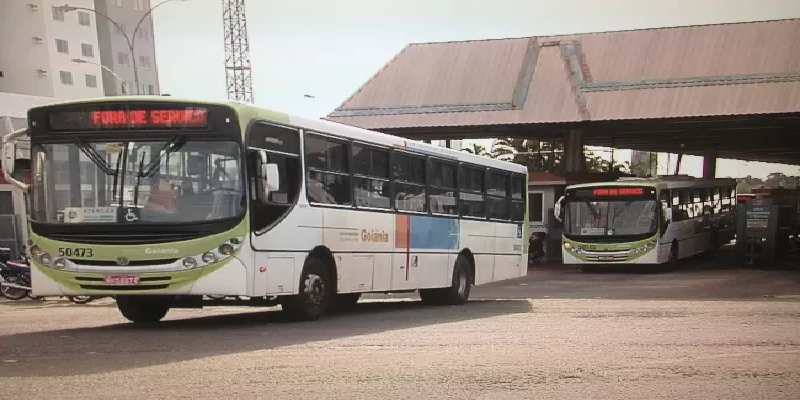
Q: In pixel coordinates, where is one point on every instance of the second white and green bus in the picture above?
(160, 201)
(646, 220)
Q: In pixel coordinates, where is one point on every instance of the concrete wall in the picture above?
(21, 57)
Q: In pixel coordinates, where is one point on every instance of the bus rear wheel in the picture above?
(314, 296)
(144, 309)
(458, 291)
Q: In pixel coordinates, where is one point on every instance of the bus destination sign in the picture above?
(129, 119)
(617, 191)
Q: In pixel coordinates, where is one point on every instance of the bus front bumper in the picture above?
(226, 277)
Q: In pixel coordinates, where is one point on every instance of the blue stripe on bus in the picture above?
(434, 233)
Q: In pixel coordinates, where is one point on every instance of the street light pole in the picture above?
(109, 70)
(128, 40)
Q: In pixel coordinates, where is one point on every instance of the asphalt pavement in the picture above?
(704, 331)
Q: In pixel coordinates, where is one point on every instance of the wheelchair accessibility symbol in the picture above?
(131, 215)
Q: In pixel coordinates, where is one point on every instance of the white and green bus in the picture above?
(160, 201)
(646, 220)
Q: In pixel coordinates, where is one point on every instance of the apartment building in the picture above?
(48, 51)
(38, 43)
(132, 22)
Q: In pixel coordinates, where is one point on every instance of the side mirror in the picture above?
(9, 157)
(9, 161)
(558, 211)
(270, 175)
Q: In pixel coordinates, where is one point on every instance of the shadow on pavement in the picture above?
(119, 347)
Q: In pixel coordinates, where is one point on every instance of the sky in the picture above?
(328, 49)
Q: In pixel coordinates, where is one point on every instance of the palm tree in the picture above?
(547, 156)
(478, 149)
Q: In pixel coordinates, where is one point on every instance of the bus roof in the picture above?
(662, 182)
(250, 111)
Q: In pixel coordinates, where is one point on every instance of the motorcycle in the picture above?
(536, 248)
(15, 279)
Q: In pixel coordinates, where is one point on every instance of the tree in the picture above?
(540, 155)
(477, 149)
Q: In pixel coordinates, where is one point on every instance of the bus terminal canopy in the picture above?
(728, 90)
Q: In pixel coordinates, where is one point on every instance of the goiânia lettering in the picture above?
(374, 236)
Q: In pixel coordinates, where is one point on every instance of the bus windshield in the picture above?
(174, 180)
(610, 218)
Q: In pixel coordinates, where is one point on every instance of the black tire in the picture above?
(80, 299)
(458, 291)
(14, 293)
(346, 301)
(313, 299)
(144, 309)
(672, 259)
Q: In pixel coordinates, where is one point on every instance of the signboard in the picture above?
(90, 215)
(757, 213)
(617, 191)
(129, 119)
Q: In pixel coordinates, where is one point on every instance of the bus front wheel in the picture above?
(315, 293)
(144, 309)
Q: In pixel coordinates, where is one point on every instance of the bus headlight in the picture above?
(45, 258)
(189, 262)
(60, 263)
(209, 257)
(36, 251)
(226, 249)
(215, 255)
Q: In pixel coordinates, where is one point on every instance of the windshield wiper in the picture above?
(115, 195)
(138, 181)
(93, 155)
(170, 147)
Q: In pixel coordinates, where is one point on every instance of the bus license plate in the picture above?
(606, 258)
(121, 280)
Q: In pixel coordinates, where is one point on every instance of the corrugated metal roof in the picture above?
(742, 68)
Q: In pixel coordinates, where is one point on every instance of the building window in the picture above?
(84, 18)
(138, 5)
(120, 29)
(144, 33)
(535, 207)
(87, 50)
(124, 87)
(144, 62)
(62, 46)
(58, 13)
(123, 58)
(66, 77)
(91, 81)
(118, 3)
(148, 89)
